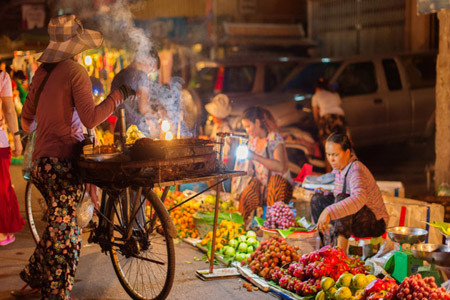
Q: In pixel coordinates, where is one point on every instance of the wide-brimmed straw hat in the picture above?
(219, 106)
(68, 38)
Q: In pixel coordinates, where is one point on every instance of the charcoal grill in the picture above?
(151, 163)
(156, 163)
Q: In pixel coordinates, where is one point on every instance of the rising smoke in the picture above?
(115, 21)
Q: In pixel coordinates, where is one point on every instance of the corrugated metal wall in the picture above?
(269, 11)
(348, 27)
(147, 9)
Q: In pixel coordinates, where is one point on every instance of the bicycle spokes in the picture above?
(142, 250)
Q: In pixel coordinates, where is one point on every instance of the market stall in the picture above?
(287, 259)
(411, 260)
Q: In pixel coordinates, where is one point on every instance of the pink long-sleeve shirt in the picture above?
(363, 190)
(65, 104)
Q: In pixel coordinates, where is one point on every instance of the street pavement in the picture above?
(95, 278)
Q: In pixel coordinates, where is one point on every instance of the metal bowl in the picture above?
(407, 235)
(432, 253)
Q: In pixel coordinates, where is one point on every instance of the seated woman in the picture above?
(357, 206)
(271, 179)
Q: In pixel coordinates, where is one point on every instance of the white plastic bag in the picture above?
(85, 210)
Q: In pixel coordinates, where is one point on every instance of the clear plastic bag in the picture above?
(85, 210)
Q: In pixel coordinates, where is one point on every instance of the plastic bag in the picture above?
(85, 210)
(27, 154)
(443, 190)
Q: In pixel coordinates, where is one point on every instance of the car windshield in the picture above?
(305, 81)
(231, 79)
(204, 82)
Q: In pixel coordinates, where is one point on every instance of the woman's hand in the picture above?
(323, 224)
(17, 145)
(251, 155)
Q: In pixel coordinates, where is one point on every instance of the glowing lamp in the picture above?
(242, 152)
(165, 126)
(88, 60)
(168, 136)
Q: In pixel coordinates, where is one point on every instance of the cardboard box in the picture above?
(392, 188)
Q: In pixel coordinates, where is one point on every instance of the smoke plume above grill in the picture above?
(115, 20)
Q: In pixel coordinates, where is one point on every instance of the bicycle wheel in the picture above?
(36, 211)
(144, 263)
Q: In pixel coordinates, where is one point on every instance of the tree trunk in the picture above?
(442, 164)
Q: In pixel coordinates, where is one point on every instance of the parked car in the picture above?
(385, 98)
(245, 80)
(249, 81)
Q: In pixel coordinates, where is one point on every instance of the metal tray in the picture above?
(432, 253)
(102, 156)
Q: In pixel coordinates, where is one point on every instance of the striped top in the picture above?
(363, 190)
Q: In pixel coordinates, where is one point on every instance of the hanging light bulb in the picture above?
(168, 136)
(88, 60)
(165, 126)
(242, 152)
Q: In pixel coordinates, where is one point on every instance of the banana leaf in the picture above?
(439, 225)
(208, 217)
(260, 221)
(443, 227)
(286, 232)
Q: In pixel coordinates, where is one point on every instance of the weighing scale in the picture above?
(435, 255)
(402, 264)
(447, 238)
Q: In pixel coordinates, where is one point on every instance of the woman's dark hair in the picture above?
(323, 84)
(19, 75)
(341, 139)
(264, 116)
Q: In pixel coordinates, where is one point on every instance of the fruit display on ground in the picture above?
(304, 277)
(270, 256)
(280, 216)
(348, 286)
(183, 219)
(416, 287)
(378, 288)
(209, 202)
(241, 247)
(182, 216)
(173, 197)
(226, 231)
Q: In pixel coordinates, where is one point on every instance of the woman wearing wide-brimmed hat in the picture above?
(219, 108)
(60, 102)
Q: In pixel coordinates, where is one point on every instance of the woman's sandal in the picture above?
(23, 292)
(8, 240)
